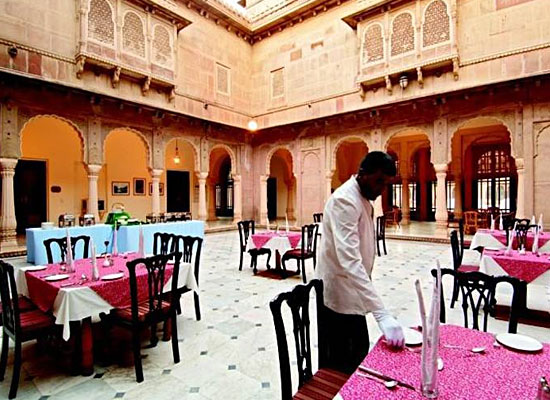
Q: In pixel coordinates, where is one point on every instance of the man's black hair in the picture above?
(377, 161)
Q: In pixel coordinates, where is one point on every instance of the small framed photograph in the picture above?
(139, 186)
(120, 188)
(161, 189)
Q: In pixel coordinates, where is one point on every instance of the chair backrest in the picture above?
(309, 238)
(470, 218)
(10, 300)
(380, 227)
(62, 245)
(298, 302)
(162, 243)
(156, 272)
(455, 250)
(521, 234)
(318, 218)
(190, 247)
(461, 235)
(246, 228)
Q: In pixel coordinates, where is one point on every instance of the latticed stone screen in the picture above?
(100, 22)
(133, 38)
(373, 44)
(222, 79)
(402, 38)
(436, 24)
(277, 83)
(162, 50)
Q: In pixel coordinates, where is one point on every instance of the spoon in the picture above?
(388, 384)
(476, 350)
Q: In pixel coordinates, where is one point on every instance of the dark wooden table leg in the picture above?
(87, 347)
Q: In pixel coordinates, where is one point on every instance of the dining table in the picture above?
(496, 239)
(76, 298)
(496, 373)
(279, 242)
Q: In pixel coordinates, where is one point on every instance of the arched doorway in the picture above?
(281, 186)
(483, 171)
(220, 185)
(349, 154)
(180, 178)
(125, 177)
(50, 178)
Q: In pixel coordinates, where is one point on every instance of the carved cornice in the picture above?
(376, 9)
(165, 9)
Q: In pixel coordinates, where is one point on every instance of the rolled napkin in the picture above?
(268, 224)
(115, 240)
(540, 223)
(492, 223)
(95, 271)
(141, 250)
(286, 222)
(500, 223)
(511, 240)
(69, 254)
(533, 221)
(535, 248)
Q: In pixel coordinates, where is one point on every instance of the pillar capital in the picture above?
(263, 178)
(520, 163)
(93, 170)
(236, 178)
(8, 164)
(201, 176)
(156, 173)
(440, 168)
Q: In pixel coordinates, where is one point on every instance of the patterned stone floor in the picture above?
(231, 353)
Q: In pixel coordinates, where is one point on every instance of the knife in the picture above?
(386, 377)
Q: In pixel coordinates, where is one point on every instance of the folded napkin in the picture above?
(69, 253)
(268, 224)
(540, 223)
(492, 223)
(115, 240)
(286, 222)
(500, 223)
(141, 251)
(533, 221)
(95, 271)
(535, 248)
(511, 240)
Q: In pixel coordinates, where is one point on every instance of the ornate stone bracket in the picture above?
(420, 77)
(456, 67)
(115, 79)
(389, 88)
(80, 61)
(146, 86)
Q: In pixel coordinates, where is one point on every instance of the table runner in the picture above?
(260, 239)
(498, 374)
(115, 292)
(527, 267)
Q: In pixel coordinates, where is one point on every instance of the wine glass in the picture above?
(106, 246)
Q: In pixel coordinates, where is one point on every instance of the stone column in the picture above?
(156, 190)
(237, 199)
(263, 199)
(8, 223)
(405, 202)
(290, 199)
(202, 195)
(93, 175)
(458, 197)
(328, 184)
(520, 202)
(441, 216)
(212, 201)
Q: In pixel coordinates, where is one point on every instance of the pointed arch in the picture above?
(196, 153)
(272, 152)
(141, 135)
(229, 151)
(339, 143)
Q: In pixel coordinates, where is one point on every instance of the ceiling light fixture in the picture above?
(252, 125)
(403, 81)
(177, 158)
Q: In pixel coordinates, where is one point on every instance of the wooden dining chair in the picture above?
(246, 229)
(521, 234)
(162, 243)
(479, 295)
(18, 324)
(62, 245)
(307, 250)
(147, 310)
(381, 234)
(317, 218)
(471, 222)
(457, 254)
(190, 248)
(325, 383)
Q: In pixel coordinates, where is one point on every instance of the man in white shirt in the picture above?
(345, 265)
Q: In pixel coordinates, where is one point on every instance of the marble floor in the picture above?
(231, 353)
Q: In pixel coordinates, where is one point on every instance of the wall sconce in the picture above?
(206, 106)
(252, 125)
(403, 81)
(177, 158)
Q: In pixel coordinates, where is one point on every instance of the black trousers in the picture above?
(345, 338)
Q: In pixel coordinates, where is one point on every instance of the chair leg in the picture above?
(175, 346)
(384, 244)
(197, 307)
(378, 247)
(16, 371)
(4, 356)
(268, 258)
(241, 262)
(253, 264)
(137, 355)
(304, 270)
(455, 293)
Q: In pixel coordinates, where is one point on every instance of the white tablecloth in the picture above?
(488, 241)
(77, 303)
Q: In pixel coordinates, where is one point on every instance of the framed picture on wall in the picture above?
(161, 189)
(139, 186)
(120, 188)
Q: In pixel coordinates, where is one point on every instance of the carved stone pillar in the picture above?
(8, 223)
(458, 197)
(263, 199)
(328, 184)
(93, 175)
(291, 184)
(441, 216)
(237, 199)
(520, 203)
(156, 190)
(405, 202)
(202, 195)
(212, 201)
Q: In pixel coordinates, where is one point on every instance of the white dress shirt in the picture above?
(347, 252)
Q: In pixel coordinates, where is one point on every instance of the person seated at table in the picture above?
(345, 265)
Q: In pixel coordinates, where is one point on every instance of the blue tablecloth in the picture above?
(36, 252)
(128, 236)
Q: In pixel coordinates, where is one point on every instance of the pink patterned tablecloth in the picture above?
(115, 292)
(527, 267)
(261, 239)
(498, 374)
(501, 237)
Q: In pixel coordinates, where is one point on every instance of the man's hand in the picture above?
(391, 329)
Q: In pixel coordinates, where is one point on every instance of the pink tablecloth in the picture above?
(501, 237)
(260, 239)
(527, 267)
(498, 374)
(115, 292)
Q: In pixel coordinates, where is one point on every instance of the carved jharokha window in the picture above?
(494, 178)
(133, 37)
(436, 26)
(373, 44)
(101, 25)
(162, 48)
(402, 37)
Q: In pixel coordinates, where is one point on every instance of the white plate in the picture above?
(519, 342)
(111, 277)
(56, 277)
(412, 337)
(35, 268)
